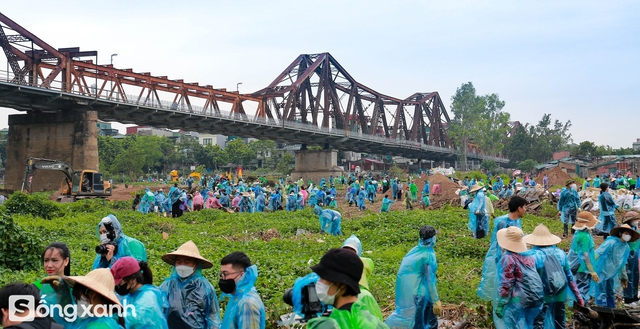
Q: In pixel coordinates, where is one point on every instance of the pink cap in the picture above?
(123, 268)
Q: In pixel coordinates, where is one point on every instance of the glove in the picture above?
(437, 308)
(499, 310)
(624, 283)
(54, 281)
(595, 277)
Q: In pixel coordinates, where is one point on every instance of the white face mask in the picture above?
(83, 308)
(323, 293)
(626, 237)
(184, 270)
(574, 187)
(103, 238)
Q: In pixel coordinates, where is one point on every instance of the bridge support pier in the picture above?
(69, 136)
(315, 164)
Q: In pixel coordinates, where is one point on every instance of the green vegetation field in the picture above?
(273, 241)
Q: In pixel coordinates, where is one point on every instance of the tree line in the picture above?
(134, 155)
(481, 121)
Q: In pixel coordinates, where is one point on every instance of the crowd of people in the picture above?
(529, 288)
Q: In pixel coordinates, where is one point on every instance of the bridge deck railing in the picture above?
(129, 99)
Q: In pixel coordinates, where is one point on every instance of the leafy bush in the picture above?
(19, 249)
(36, 204)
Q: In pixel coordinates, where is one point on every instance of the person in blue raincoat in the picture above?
(260, 202)
(488, 288)
(134, 285)
(147, 201)
(386, 203)
(330, 220)
(582, 258)
(361, 200)
(313, 199)
(292, 202)
(246, 204)
(192, 300)
(426, 189)
(109, 230)
(607, 210)
(174, 200)
(520, 291)
(568, 205)
(237, 282)
(478, 215)
(161, 202)
(611, 261)
(224, 199)
(555, 273)
(417, 300)
(632, 218)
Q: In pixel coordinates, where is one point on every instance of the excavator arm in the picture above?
(34, 164)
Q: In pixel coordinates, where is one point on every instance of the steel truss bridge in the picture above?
(314, 101)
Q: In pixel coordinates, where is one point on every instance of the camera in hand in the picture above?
(111, 235)
(311, 304)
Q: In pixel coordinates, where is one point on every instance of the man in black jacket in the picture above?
(24, 308)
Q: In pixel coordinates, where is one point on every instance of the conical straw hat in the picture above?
(541, 236)
(617, 231)
(475, 188)
(629, 216)
(188, 249)
(99, 280)
(510, 238)
(587, 219)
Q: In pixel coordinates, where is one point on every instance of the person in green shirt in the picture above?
(365, 296)
(339, 271)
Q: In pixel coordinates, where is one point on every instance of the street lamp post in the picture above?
(112, 56)
(238, 87)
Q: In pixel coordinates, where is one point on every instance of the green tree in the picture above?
(527, 165)
(479, 119)
(489, 166)
(519, 146)
(493, 127)
(239, 153)
(130, 162)
(285, 165)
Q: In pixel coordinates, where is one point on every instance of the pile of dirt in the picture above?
(556, 177)
(447, 187)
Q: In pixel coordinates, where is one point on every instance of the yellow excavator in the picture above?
(77, 184)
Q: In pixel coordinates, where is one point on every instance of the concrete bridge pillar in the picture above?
(69, 136)
(315, 164)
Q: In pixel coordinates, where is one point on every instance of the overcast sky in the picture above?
(578, 60)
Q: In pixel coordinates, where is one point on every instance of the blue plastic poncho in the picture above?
(260, 202)
(147, 201)
(296, 296)
(416, 288)
(385, 205)
(246, 204)
(568, 205)
(148, 301)
(127, 246)
(582, 252)
(292, 202)
(520, 291)
(478, 216)
(487, 288)
(192, 301)
(360, 201)
(569, 293)
(611, 259)
(174, 195)
(607, 212)
(330, 220)
(245, 308)
(62, 296)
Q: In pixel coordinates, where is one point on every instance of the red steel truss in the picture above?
(316, 89)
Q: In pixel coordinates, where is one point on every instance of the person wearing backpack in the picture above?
(558, 282)
(630, 293)
(520, 290)
(611, 260)
(581, 255)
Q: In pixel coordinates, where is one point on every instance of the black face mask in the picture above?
(123, 290)
(227, 286)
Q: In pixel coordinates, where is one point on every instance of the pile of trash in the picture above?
(625, 199)
(443, 171)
